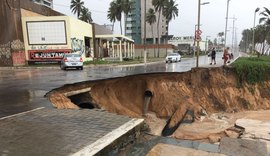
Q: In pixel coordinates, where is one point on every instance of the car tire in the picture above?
(81, 67)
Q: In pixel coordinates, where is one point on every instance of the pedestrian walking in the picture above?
(226, 55)
(213, 56)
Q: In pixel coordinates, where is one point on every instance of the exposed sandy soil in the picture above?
(179, 96)
(171, 150)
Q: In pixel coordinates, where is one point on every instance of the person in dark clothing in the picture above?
(213, 56)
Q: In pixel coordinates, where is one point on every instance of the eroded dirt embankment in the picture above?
(174, 94)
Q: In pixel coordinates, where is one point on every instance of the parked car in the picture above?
(71, 61)
(173, 57)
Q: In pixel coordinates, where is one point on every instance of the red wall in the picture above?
(18, 58)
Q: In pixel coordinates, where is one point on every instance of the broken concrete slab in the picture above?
(243, 147)
(255, 129)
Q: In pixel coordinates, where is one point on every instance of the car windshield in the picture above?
(173, 54)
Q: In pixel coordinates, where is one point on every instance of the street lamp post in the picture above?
(198, 30)
(206, 43)
(225, 33)
(253, 35)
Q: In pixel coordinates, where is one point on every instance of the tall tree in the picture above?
(170, 12)
(159, 7)
(126, 8)
(246, 40)
(220, 35)
(265, 20)
(259, 36)
(86, 15)
(76, 6)
(151, 19)
(112, 14)
(115, 12)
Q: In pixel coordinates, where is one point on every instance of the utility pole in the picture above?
(198, 29)
(235, 41)
(225, 33)
(144, 42)
(233, 32)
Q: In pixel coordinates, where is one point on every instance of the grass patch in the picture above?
(252, 69)
(96, 62)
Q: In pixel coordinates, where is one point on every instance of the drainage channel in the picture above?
(115, 141)
(82, 98)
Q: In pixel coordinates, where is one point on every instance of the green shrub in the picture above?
(252, 70)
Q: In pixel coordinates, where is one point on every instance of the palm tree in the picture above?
(220, 35)
(76, 7)
(260, 32)
(265, 20)
(86, 15)
(126, 8)
(151, 18)
(115, 12)
(170, 12)
(246, 39)
(112, 14)
(159, 7)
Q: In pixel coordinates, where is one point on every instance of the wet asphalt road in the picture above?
(24, 89)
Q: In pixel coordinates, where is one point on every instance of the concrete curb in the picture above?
(106, 140)
(22, 113)
(85, 66)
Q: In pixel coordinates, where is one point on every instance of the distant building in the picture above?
(186, 44)
(135, 25)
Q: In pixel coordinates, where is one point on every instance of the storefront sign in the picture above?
(49, 55)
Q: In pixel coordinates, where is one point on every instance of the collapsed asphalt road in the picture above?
(24, 89)
(178, 97)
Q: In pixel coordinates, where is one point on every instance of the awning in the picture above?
(112, 37)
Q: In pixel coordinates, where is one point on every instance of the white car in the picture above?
(71, 61)
(173, 57)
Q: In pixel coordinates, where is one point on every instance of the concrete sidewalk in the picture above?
(61, 132)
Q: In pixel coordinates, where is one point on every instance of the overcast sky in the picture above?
(212, 15)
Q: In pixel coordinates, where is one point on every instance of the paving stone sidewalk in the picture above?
(55, 132)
